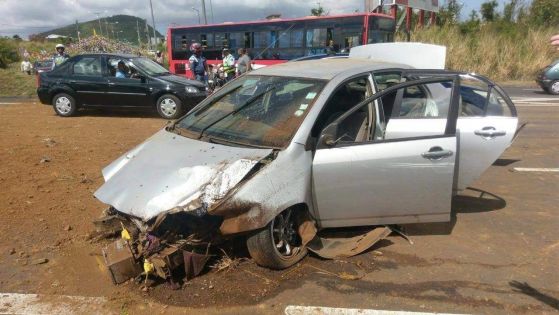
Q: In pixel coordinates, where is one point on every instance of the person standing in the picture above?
(244, 62)
(198, 63)
(26, 66)
(60, 56)
(159, 57)
(228, 65)
(555, 41)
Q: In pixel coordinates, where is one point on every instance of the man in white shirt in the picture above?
(26, 66)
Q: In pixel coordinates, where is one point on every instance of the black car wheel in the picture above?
(169, 106)
(554, 88)
(64, 105)
(278, 246)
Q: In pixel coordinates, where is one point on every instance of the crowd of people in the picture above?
(229, 67)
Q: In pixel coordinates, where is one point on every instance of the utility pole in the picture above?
(212, 11)
(78, 31)
(204, 11)
(153, 22)
(138, 30)
(147, 34)
(99, 19)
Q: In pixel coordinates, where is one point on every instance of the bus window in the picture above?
(207, 40)
(248, 40)
(236, 40)
(284, 39)
(297, 38)
(273, 39)
(221, 40)
(260, 39)
(381, 30)
(316, 37)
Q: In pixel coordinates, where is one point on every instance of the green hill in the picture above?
(121, 27)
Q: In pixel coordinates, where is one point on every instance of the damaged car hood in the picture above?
(169, 171)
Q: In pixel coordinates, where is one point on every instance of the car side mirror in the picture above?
(328, 137)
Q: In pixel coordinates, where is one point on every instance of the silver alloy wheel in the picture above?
(555, 87)
(63, 105)
(168, 107)
(285, 235)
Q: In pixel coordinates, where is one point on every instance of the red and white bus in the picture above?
(275, 41)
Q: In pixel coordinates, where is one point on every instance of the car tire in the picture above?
(169, 106)
(64, 105)
(554, 87)
(278, 245)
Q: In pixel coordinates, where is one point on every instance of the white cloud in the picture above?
(25, 17)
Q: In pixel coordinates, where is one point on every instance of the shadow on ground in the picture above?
(472, 200)
(527, 289)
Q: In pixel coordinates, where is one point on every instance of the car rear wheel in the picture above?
(169, 106)
(554, 88)
(64, 105)
(278, 246)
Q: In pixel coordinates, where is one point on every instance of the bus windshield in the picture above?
(261, 111)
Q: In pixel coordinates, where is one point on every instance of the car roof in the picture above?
(326, 69)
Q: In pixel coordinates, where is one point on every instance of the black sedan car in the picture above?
(114, 80)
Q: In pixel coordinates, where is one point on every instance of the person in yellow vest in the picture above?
(228, 65)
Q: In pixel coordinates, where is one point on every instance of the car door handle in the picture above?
(72, 81)
(489, 133)
(436, 153)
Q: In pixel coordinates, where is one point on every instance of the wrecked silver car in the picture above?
(289, 150)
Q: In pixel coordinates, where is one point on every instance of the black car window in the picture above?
(88, 66)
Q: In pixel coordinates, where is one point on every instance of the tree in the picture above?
(450, 13)
(488, 10)
(510, 10)
(474, 17)
(544, 13)
(319, 11)
(16, 37)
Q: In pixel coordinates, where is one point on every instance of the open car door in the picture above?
(372, 180)
(487, 123)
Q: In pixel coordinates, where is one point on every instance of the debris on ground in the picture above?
(49, 142)
(45, 159)
(39, 261)
(226, 263)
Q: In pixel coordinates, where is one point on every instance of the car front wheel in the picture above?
(64, 105)
(554, 88)
(169, 106)
(278, 246)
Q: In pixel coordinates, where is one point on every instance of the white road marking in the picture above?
(18, 303)
(535, 99)
(312, 310)
(531, 89)
(9, 103)
(535, 169)
(536, 105)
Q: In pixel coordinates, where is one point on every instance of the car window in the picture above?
(386, 80)
(473, 96)
(425, 101)
(497, 106)
(128, 71)
(345, 97)
(88, 66)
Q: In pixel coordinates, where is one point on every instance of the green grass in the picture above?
(13, 82)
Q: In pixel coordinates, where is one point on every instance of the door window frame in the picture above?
(450, 129)
(101, 70)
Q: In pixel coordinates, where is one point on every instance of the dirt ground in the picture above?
(500, 258)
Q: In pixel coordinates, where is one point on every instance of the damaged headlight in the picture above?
(191, 89)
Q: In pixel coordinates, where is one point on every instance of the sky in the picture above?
(25, 17)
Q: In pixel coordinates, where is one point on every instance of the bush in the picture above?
(8, 52)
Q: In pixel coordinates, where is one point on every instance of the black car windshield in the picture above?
(255, 111)
(148, 66)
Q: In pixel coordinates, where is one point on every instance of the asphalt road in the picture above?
(498, 256)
